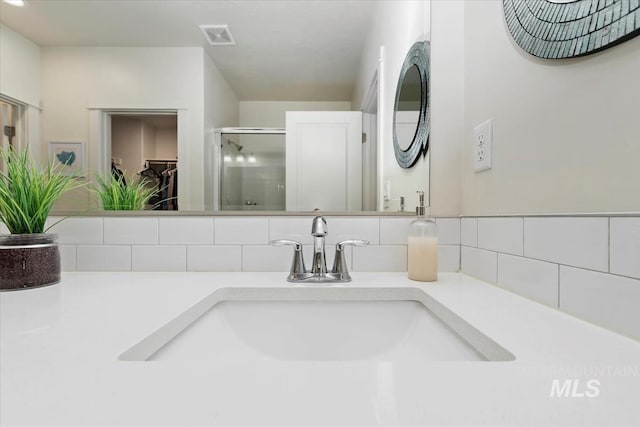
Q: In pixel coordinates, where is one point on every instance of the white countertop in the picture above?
(59, 349)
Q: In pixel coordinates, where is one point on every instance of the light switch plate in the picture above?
(482, 146)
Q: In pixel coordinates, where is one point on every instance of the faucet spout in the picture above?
(319, 230)
(319, 227)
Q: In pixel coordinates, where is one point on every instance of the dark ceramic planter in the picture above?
(28, 261)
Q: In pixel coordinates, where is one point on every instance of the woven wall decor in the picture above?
(553, 30)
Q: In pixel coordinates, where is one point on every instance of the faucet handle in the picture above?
(340, 262)
(284, 242)
(352, 242)
(297, 265)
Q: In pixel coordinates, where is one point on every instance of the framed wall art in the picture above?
(69, 157)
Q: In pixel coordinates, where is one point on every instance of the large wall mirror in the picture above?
(271, 103)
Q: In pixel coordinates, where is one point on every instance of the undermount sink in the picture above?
(317, 324)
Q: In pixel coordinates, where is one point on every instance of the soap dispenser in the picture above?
(423, 246)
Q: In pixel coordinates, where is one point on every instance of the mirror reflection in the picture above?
(408, 107)
(215, 65)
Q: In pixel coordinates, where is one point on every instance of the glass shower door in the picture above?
(252, 172)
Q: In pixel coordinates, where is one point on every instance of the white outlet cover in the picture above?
(482, 146)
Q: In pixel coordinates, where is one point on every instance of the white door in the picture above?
(323, 160)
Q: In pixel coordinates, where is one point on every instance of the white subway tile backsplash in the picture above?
(131, 231)
(67, 257)
(185, 231)
(448, 231)
(353, 228)
(537, 280)
(605, 299)
(242, 231)
(291, 228)
(380, 258)
(266, 258)
(103, 258)
(501, 235)
(448, 258)
(77, 230)
(394, 231)
(480, 263)
(214, 258)
(575, 241)
(491, 250)
(159, 258)
(469, 232)
(625, 246)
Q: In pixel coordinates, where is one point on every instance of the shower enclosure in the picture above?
(252, 169)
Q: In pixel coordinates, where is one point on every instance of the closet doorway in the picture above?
(12, 126)
(146, 146)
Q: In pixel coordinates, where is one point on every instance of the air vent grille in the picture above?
(217, 35)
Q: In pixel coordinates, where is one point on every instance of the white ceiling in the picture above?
(285, 50)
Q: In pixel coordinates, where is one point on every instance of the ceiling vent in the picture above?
(217, 35)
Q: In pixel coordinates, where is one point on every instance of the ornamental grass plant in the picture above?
(115, 194)
(28, 190)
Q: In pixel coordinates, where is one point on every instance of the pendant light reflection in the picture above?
(252, 158)
(227, 158)
(240, 158)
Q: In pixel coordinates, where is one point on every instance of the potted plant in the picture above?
(29, 257)
(115, 194)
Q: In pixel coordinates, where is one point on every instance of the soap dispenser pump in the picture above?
(423, 246)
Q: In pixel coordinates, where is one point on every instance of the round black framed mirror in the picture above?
(411, 108)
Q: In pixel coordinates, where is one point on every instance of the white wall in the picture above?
(148, 143)
(20, 80)
(272, 113)
(220, 110)
(77, 79)
(166, 143)
(565, 132)
(447, 106)
(19, 67)
(396, 25)
(128, 143)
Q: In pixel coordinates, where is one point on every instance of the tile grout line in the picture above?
(477, 232)
(523, 235)
(558, 303)
(609, 244)
(459, 246)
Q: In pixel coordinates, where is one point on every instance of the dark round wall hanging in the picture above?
(554, 29)
(411, 108)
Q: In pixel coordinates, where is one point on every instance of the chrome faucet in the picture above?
(318, 272)
(319, 230)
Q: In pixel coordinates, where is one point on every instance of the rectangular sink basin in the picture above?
(317, 324)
